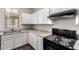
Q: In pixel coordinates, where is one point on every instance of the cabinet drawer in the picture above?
(13, 35)
(7, 36)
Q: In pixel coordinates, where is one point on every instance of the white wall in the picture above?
(66, 24)
(2, 19)
(25, 26)
(61, 24)
(46, 27)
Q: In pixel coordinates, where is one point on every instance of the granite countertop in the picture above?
(40, 32)
(34, 31)
(5, 34)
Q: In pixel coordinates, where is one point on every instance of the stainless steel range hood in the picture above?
(63, 15)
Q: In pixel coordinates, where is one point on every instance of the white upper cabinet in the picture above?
(54, 10)
(46, 13)
(40, 17)
(34, 18)
(25, 18)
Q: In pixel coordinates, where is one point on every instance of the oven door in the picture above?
(48, 45)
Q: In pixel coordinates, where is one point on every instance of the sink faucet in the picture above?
(12, 30)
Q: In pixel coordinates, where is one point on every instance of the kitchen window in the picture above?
(12, 19)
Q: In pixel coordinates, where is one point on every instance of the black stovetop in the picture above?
(63, 37)
(69, 43)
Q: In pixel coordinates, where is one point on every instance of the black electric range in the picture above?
(61, 39)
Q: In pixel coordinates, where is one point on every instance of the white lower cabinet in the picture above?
(25, 38)
(40, 43)
(13, 41)
(46, 13)
(29, 38)
(35, 41)
(7, 44)
(32, 40)
(20, 39)
(18, 42)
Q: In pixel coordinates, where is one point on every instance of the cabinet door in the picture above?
(40, 43)
(18, 42)
(40, 17)
(54, 10)
(25, 18)
(30, 38)
(34, 18)
(33, 40)
(24, 38)
(7, 44)
(46, 13)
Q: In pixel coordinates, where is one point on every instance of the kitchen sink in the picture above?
(14, 32)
